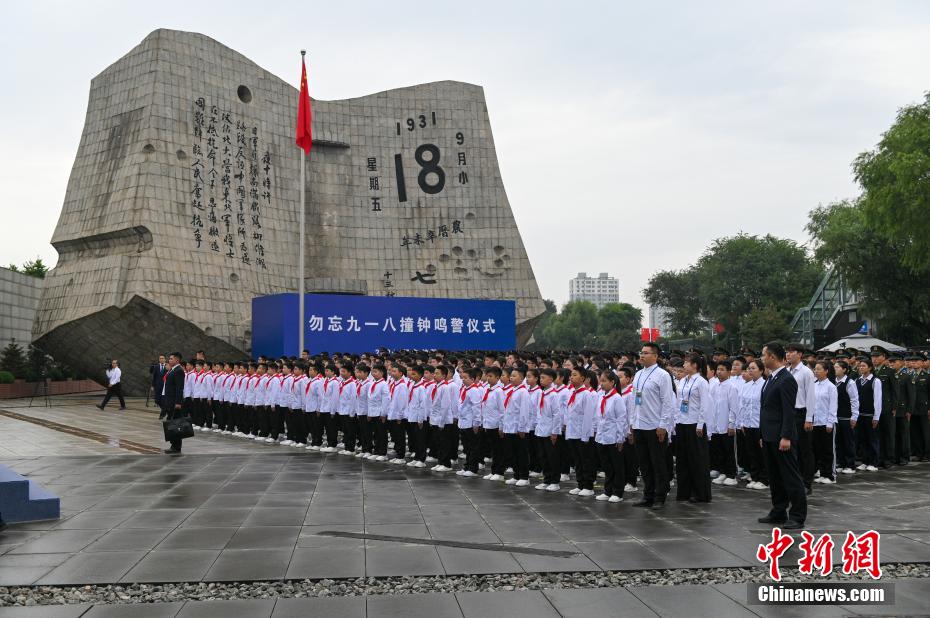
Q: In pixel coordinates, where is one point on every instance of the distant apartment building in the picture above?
(659, 318)
(599, 290)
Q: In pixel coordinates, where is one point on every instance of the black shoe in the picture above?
(903, 462)
(171, 451)
(658, 505)
(99, 406)
(768, 519)
(792, 525)
(645, 503)
(693, 500)
(123, 408)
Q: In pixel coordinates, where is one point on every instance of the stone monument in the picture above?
(183, 205)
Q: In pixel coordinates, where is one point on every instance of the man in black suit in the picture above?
(172, 393)
(158, 375)
(780, 442)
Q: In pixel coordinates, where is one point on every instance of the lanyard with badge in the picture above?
(641, 384)
(684, 402)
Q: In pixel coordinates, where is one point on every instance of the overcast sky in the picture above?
(629, 137)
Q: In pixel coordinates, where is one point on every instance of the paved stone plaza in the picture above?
(231, 510)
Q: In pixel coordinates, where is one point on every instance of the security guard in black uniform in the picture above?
(920, 421)
(886, 424)
(904, 401)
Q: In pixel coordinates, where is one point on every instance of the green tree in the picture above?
(13, 359)
(33, 268)
(895, 181)
(677, 291)
(618, 326)
(891, 289)
(573, 328)
(763, 324)
(581, 324)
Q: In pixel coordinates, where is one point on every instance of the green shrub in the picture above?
(6, 377)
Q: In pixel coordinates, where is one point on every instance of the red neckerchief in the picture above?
(374, 384)
(413, 388)
(559, 389)
(542, 397)
(604, 399)
(488, 392)
(627, 390)
(358, 389)
(345, 384)
(510, 394)
(393, 385)
(432, 395)
(465, 390)
(580, 389)
(326, 384)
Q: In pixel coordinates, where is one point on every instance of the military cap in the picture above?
(896, 356)
(877, 350)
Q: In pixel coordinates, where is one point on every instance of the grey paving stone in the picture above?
(58, 541)
(187, 565)
(584, 603)
(249, 564)
(696, 601)
(136, 610)
(129, 538)
(402, 560)
(259, 537)
(344, 607)
(21, 575)
(251, 608)
(276, 516)
(414, 606)
(217, 517)
(197, 538)
(553, 564)
(95, 520)
(326, 562)
(47, 611)
(459, 561)
(157, 518)
(513, 604)
(92, 568)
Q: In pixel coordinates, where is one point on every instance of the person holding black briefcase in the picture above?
(172, 398)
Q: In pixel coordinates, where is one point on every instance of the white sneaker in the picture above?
(564, 478)
(574, 491)
(541, 486)
(601, 475)
(487, 477)
(399, 461)
(731, 482)
(848, 471)
(434, 467)
(586, 492)
(535, 475)
(312, 447)
(431, 460)
(553, 487)
(481, 466)
(269, 440)
(412, 463)
(602, 498)
(508, 471)
(751, 485)
(382, 458)
(761, 485)
(468, 474)
(827, 480)
(441, 468)
(817, 479)
(615, 498)
(714, 474)
(420, 464)
(287, 442)
(861, 467)
(340, 446)
(345, 452)
(497, 477)
(460, 473)
(361, 455)
(628, 488)
(510, 482)
(871, 468)
(522, 483)
(817, 474)
(719, 480)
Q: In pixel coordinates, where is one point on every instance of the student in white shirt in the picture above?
(298, 435)
(653, 411)
(579, 430)
(512, 429)
(870, 411)
(847, 415)
(417, 412)
(345, 408)
(690, 441)
(824, 420)
(397, 412)
(469, 419)
(379, 401)
(612, 427)
(492, 408)
(313, 400)
(721, 423)
(442, 401)
(328, 405)
(750, 407)
(530, 408)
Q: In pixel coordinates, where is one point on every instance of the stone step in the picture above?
(25, 500)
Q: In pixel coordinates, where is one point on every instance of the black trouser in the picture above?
(114, 389)
(755, 458)
(318, 427)
(264, 422)
(845, 444)
(867, 439)
(491, 447)
(332, 429)
(551, 458)
(533, 452)
(209, 412)
(653, 464)
(612, 463)
(379, 425)
(920, 435)
(364, 433)
(416, 434)
(805, 448)
(724, 456)
(585, 463)
(691, 464)
(399, 437)
(823, 451)
(219, 414)
(520, 455)
(301, 426)
(902, 438)
(886, 429)
(277, 422)
(349, 432)
(504, 453)
(471, 443)
(448, 444)
(630, 463)
(786, 485)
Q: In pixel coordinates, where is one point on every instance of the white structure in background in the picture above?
(599, 290)
(658, 318)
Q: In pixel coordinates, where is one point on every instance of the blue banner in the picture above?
(355, 324)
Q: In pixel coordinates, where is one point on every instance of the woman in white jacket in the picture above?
(824, 421)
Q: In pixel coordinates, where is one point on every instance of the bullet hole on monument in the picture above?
(444, 257)
(244, 94)
(181, 155)
(234, 277)
(148, 149)
(456, 251)
(472, 253)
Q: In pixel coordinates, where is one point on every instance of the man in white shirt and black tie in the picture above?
(653, 415)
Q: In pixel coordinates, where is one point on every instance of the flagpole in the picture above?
(300, 248)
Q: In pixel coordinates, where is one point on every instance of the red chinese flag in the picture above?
(644, 334)
(655, 334)
(304, 115)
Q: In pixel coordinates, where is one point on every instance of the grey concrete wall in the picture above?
(19, 299)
